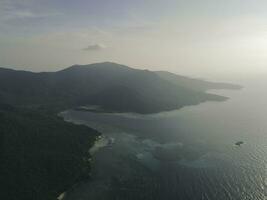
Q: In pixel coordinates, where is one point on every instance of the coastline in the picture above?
(96, 145)
(62, 195)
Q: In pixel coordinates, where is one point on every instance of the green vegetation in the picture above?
(112, 86)
(41, 156)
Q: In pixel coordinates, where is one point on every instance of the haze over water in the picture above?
(182, 154)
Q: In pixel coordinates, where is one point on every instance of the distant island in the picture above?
(41, 155)
(239, 143)
(108, 85)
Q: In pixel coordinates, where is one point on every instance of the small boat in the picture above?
(239, 143)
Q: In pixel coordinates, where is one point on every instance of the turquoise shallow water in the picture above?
(183, 154)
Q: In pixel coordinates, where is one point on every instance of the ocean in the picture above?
(183, 154)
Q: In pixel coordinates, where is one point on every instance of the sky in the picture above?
(201, 38)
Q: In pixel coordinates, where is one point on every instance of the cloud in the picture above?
(12, 10)
(94, 47)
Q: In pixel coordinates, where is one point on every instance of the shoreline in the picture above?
(220, 98)
(98, 109)
(91, 152)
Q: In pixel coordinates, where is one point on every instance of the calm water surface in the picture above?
(182, 154)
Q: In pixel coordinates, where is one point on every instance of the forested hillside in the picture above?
(41, 155)
(112, 86)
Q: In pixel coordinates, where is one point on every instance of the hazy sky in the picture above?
(198, 37)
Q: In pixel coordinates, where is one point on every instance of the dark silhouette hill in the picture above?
(112, 86)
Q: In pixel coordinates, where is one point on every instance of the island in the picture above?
(42, 155)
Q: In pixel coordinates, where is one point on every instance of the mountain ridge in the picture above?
(141, 91)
